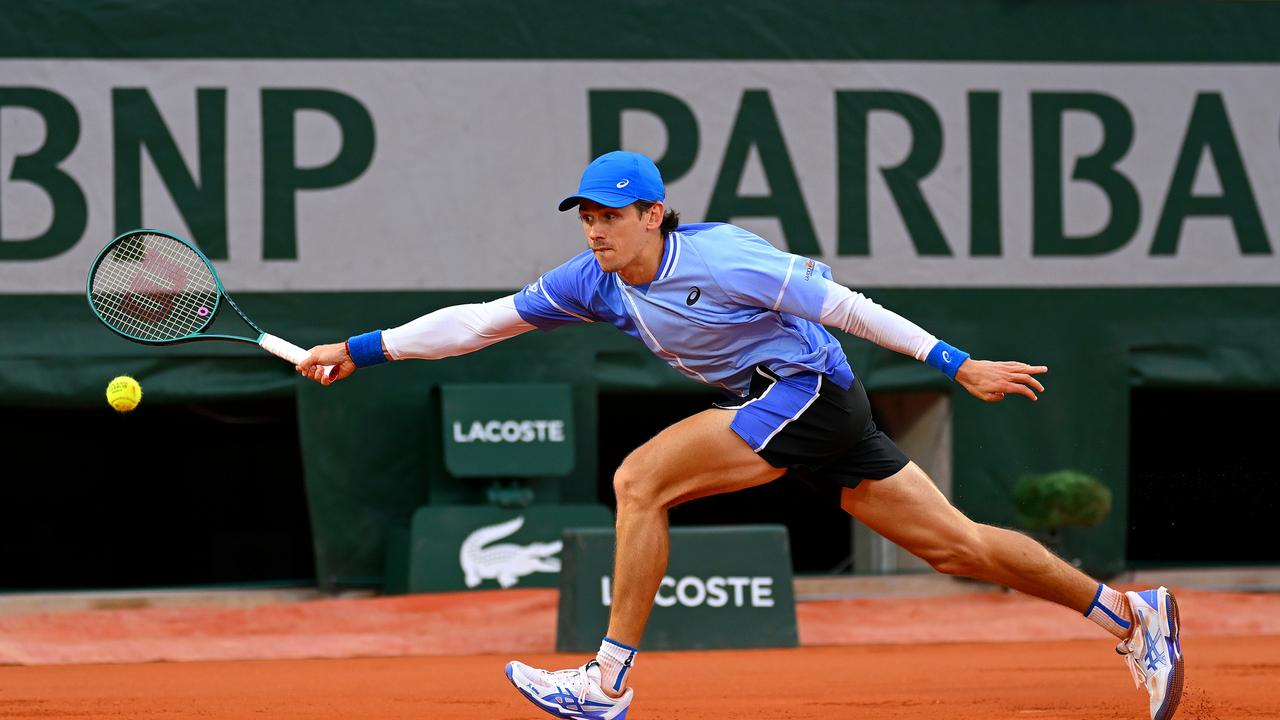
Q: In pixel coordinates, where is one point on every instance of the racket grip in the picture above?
(284, 349)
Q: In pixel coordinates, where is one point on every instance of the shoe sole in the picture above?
(1173, 694)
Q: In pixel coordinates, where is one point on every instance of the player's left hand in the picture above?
(992, 381)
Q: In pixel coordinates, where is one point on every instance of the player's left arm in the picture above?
(986, 380)
(764, 277)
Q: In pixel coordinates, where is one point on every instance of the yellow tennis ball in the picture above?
(124, 393)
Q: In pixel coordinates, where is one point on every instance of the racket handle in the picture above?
(284, 349)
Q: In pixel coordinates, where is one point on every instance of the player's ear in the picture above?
(654, 219)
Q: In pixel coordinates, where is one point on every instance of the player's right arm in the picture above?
(450, 331)
(549, 302)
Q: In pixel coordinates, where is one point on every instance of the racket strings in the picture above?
(154, 287)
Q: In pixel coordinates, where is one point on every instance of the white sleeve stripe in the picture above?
(786, 281)
(551, 300)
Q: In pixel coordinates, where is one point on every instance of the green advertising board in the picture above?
(508, 429)
(482, 548)
(725, 587)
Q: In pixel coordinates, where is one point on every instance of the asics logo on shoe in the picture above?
(1154, 657)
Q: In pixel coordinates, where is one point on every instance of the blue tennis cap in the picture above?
(618, 179)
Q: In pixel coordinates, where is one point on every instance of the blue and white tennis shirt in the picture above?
(724, 301)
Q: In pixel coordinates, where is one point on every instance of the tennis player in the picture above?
(727, 309)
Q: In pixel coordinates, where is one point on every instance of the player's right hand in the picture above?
(318, 357)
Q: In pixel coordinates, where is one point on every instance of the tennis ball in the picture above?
(124, 393)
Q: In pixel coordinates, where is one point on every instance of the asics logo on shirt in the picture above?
(694, 294)
(623, 183)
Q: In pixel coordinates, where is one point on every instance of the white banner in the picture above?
(471, 158)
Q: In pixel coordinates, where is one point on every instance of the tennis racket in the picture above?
(158, 289)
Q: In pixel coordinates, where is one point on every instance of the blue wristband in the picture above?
(946, 358)
(366, 349)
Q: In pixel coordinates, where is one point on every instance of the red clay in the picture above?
(425, 658)
(1227, 678)
(523, 621)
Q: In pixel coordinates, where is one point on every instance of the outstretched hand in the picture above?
(991, 381)
(334, 354)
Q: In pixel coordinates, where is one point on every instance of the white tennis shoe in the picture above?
(1154, 650)
(571, 694)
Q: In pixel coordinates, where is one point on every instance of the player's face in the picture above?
(616, 235)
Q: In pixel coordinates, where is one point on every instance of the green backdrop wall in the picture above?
(371, 446)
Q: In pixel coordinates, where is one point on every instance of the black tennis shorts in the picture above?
(820, 432)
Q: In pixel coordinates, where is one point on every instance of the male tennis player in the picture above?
(727, 309)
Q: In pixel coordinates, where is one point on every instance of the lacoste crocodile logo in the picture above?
(505, 562)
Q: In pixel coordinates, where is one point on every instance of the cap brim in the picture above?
(604, 197)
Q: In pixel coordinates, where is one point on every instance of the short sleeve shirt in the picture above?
(724, 301)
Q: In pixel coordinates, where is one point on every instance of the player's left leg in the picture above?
(907, 509)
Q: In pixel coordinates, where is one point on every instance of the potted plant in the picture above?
(1046, 503)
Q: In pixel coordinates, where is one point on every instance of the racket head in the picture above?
(153, 287)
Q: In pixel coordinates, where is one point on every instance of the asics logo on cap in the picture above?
(616, 179)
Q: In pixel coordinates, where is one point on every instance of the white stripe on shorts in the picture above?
(772, 381)
(799, 412)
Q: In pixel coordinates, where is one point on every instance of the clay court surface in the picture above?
(434, 657)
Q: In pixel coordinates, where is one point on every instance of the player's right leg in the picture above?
(696, 457)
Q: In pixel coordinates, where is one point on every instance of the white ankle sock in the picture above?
(1111, 610)
(615, 660)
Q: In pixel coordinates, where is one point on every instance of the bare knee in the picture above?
(634, 488)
